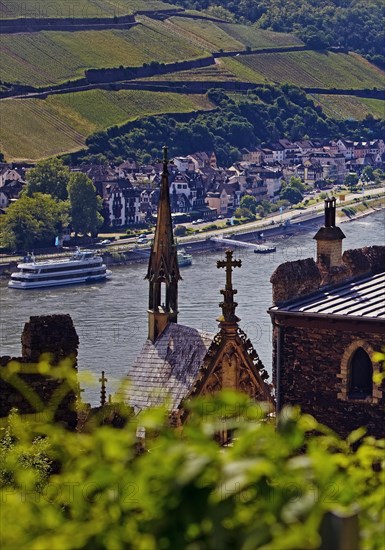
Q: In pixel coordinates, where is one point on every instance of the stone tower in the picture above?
(163, 271)
(329, 238)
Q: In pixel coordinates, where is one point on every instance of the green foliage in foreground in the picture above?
(270, 489)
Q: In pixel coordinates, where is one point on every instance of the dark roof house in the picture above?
(329, 319)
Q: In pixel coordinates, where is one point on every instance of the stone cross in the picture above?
(228, 264)
(103, 380)
(228, 317)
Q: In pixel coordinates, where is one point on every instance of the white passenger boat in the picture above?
(85, 266)
(184, 259)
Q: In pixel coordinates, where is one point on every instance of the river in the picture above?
(111, 317)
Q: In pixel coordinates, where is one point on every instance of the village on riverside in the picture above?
(203, 192)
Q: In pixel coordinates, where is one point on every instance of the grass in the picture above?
(49, 57)
(345, 106)
(61, 123)
(310, 69)
(76, 9)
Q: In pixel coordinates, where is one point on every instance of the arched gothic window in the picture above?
(360, 375)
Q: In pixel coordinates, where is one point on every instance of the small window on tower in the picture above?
(360, 375)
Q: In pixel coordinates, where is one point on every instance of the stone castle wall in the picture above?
(26, 383)
(313, 374)
(291, 280)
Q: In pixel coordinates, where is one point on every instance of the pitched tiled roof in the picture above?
(164, 371)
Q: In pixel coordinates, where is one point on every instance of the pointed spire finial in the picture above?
(103, 380)
(228, 305)
(163, 270)
(165, 159)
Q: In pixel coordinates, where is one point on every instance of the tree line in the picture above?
(263, 115)
(52, 199)
(357, 25)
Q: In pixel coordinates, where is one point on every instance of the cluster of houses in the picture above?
(199, 188)
(12, 179)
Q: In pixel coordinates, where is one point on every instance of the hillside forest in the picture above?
(262, 115)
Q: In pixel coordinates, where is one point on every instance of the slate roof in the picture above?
(164, 371)
(364, 298)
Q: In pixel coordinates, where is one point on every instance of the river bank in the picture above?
(299, 223)
(259, 235)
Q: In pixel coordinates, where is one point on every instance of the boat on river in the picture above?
(184, 259)
(84, 266)
(262, 249)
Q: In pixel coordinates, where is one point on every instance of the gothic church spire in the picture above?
(163, 271)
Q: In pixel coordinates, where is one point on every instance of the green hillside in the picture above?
(308, 69)
(50, 57)
(355, 25)
(344, 106)
(61, 123)
(256, 38)
(305, 69)
(81, 8)
(229, 37)
(215, 36)
(203, 32)
(215, 73)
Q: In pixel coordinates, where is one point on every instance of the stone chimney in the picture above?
(329, 238)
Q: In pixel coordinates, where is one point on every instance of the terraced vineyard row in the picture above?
(227, 36)
(217, 72)
(242, 71)
(204, 32)
(313, 69)
(10, 9)
(32, 128)
(255, 38)
(34, 137)
(345, 106)
(65, 55)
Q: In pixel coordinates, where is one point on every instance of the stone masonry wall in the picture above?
(31, 390)
(292, 280)
(311, 360)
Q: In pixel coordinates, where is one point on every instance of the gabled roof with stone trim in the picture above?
(178, 365)
(165, 371)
